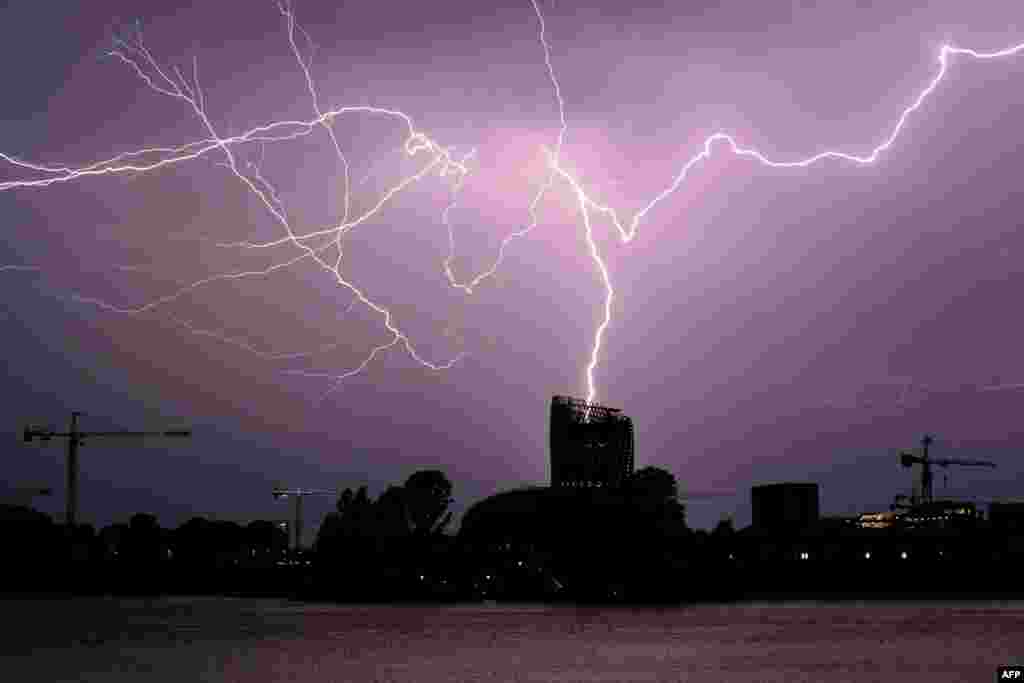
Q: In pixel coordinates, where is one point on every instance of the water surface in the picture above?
(259, 641)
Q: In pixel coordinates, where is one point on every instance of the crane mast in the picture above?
(76, 437)
(909, 460)
(280, 493)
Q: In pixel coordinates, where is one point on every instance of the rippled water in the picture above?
(222, 639)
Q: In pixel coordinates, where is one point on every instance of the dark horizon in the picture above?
(924, 485)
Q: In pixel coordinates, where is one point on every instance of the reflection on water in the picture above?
(187, 639)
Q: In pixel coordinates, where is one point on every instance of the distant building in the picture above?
(536, 517)
(784, 506)
(879, 520)
(591, 445)
(838, 522)
(519, 513)
(936, 515)
(941, 514)
(1007, 516)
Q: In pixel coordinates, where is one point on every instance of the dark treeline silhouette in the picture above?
(628, 543)
(394, 547)
(141, 557)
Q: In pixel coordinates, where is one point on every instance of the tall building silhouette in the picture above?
(591, 445)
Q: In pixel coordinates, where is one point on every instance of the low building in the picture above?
(942, 514)
(886, 519)
(1007, 516)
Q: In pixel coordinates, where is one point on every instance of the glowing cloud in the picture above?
(324, 246)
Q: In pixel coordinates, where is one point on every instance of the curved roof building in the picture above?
(541, 514)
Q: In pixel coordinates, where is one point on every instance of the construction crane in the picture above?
(280, 493)
(909, 460)
(75, 438)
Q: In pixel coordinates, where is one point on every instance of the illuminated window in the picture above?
(903, 555)
(867, 556)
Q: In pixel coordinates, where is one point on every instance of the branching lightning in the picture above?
(547, 185)
(628, 231)
(324, 247)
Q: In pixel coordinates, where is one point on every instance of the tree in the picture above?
(329, 534)
(653, 483)
(344, 500)
(369, 540)
(112, 538)
(392, 513)
(192, 541)
(723, 537)
(143, 540)
(427, 497)
(353, 520)
(724, 528)
(228, 539)
(357, 517)
(266, 537)
(655, 520)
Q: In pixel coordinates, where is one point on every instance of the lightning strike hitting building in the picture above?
(324, 246)
(592, 446)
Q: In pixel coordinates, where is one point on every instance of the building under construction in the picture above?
(591, 445)
(922, 509)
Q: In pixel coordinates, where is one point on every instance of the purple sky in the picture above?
(769, 324)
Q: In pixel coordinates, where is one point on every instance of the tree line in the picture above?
(395, 546)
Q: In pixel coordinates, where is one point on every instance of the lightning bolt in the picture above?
(261, 353)
(627, 231)
(1003, 387)
(469, 286)
(137, 56)
(317, 244)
